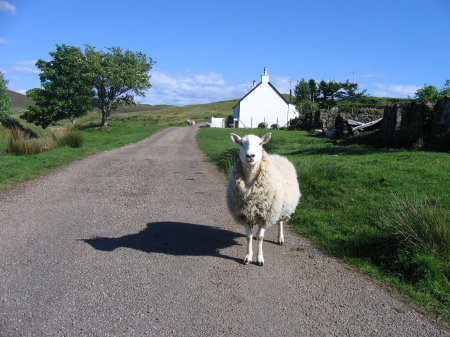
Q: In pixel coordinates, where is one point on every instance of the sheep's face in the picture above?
(251, 147)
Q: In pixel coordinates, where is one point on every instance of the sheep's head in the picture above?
(251, 148)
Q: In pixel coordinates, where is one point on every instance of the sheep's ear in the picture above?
(235, 138)
(266, 137)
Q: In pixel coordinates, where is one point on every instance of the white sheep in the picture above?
(190, 122)
(262, 190)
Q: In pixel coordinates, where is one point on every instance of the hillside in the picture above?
(19, 102)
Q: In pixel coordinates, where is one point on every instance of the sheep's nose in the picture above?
(250, 155)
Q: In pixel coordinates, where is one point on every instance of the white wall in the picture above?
(217, 122)
(263, 104)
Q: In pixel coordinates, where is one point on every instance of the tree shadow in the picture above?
(173, 238)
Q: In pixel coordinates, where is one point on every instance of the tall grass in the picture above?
(20, 144)
(72, 138)
(420, 230)
(419, 225)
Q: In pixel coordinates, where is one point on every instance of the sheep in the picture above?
(263, 125)
(275, 126)
(190, 122)
(262, 190)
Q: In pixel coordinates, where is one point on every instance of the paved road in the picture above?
(138, 242)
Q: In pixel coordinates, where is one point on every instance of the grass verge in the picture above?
(385, 212)
(86, 140)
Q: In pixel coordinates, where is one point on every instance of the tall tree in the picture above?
(348, 91)
(117, 77)
(5, 102)
(313, 90)
(65, 92)
(324, 90)
(301, 91)
(303, 96)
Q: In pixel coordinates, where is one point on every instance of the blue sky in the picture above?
(212, 50)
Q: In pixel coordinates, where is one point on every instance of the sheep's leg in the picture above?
(260, 237)
(248, 233)
(280, 233)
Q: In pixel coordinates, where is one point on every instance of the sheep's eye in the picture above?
(260, 144)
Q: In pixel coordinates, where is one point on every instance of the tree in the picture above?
(303, 96)
(5, 102)
(74, 83)
(116, 76)
(65, 92)
(301, 91)
(349, 91)
(428, 93)
(313, 91)
(445, 92)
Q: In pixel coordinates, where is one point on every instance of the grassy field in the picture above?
(385, 212)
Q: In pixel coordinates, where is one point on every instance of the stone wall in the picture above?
(323, 119)
(426, 124)
(403, 125)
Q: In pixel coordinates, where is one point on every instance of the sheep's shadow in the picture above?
(172, 238)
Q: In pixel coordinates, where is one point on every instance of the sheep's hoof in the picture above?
(280, 243)
(260, 263)
(247, 260)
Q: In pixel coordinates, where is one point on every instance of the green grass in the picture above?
(383, 211)
(17, 169)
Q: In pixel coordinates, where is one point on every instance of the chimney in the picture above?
(254, 84)
(265, 77)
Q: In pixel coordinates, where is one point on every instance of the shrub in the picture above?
(421, 230)
(19, 143)
(71, 138)
(420, 226)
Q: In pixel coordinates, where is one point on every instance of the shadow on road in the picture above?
(173, 238)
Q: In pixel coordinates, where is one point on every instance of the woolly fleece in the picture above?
(273, 196)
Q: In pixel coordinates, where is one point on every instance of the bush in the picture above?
(20, 143)
(421, 230)
(71, 138)
(420, 226)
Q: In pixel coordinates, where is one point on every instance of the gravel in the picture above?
(138, 242)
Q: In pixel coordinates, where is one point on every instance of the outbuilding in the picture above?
(263, 103)
(217, 122)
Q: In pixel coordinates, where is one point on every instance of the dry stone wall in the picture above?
(403, 125)
(426, 124)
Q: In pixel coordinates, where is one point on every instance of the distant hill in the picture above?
(20, 102)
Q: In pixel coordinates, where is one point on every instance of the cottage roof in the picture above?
(253, 89)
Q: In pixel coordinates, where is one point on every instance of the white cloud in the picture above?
(282, 83)
(25, 67)
(4, 41)
(5, 6)
(395, 90)
(191, 88)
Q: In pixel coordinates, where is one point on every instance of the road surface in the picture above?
(138, 242)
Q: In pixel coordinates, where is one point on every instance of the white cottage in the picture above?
(263, 103)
